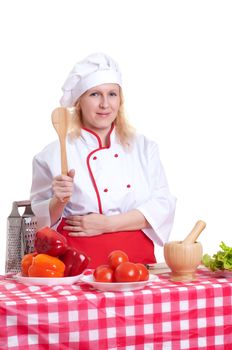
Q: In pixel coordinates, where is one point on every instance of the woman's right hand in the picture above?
(62, 186)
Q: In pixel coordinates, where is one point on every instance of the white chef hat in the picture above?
(94, 70)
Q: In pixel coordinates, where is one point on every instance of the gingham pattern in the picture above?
(164, 315)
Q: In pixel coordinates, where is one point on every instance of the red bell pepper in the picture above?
(75, 262)
(50, 242)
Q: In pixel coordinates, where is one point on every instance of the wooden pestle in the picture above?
(193, 235)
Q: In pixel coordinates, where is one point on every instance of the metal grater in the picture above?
(21, 232)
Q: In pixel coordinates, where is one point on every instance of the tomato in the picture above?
(143, 272)
(117, 257)
(103, 273)
(127, 272)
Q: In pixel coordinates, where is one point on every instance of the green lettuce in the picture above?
(222, 260)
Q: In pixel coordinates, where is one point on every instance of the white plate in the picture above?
(217, 273)
(117, 286)
(222, 273)
(158, 268)
(49, 281)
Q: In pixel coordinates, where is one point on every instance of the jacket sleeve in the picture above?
(159, 208)
(41, 191)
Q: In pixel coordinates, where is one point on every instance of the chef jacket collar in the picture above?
(93, 140)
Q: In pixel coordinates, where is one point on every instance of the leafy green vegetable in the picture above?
(222, 260)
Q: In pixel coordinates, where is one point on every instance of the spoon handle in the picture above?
(63, 153)
(193, 235)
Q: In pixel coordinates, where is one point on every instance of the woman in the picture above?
(115, 195)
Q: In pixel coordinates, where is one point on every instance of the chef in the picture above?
(115, 195)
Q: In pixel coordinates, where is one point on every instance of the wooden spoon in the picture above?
(193, 235)
(60, 121)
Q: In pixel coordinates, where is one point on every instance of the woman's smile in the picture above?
(103, 114)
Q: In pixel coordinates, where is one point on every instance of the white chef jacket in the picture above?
(108, 180)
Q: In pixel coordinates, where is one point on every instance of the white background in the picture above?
(176, 60)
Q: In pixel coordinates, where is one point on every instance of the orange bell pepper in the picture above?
(44, 265)
(26, 263)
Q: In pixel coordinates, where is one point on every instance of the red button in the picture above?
(128, 186)
(94, 158)
(116, 155)
(106, 190)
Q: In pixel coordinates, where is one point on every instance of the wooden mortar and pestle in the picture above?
(183, 257)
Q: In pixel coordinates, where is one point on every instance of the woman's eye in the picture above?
(96, 93)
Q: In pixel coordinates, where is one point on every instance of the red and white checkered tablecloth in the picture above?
(164, 315)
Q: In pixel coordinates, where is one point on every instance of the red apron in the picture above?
(139, 248)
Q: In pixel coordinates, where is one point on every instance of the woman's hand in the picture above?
(95, 224)
(62, 186)
(86, 225)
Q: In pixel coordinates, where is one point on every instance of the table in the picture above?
(164, 315)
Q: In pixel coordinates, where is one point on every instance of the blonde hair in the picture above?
(124, 131)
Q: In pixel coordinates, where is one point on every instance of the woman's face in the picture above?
(99, 107)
